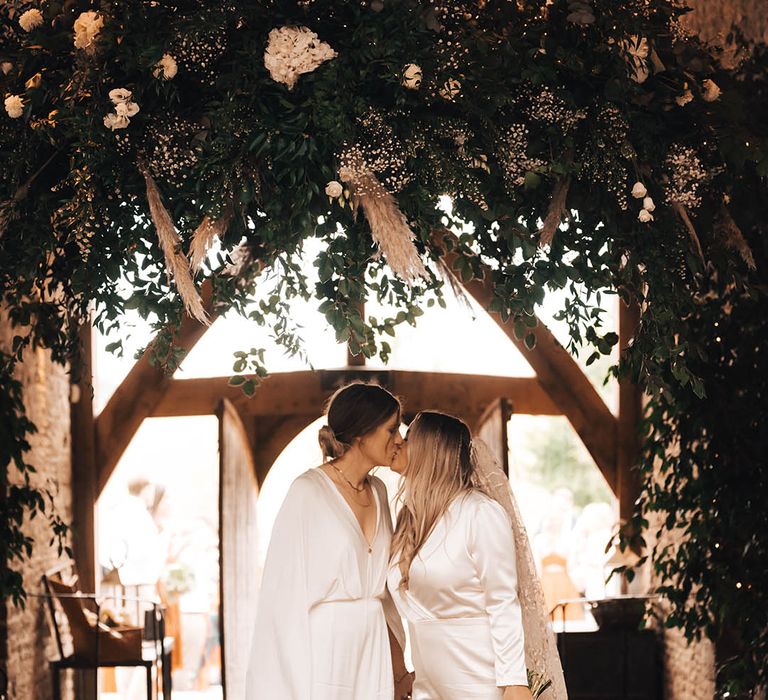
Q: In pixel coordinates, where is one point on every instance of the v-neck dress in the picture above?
(463, 612)
(324, 609)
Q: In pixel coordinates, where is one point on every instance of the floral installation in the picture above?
(572, 145)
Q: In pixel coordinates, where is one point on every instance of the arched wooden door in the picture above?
(238, 492)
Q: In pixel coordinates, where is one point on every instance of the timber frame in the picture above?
(285, 403)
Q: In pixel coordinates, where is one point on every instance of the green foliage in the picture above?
(543, 102)
(704, 464)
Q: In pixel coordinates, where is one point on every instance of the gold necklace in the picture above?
(358, 489)
(353, 487)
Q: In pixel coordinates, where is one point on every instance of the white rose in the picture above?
(645, 216)
(31, 19)
(116, 121)
(412, 75)
(450, 89)
(87, 27)
(333, 189)
(711, 90)
(126, 109)
(684, 98)
(648, 204)
(6, 67)
(638, 190)
(166, 67)
(14, 105)
(119, 95)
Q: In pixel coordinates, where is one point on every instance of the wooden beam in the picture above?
(270, 435)
(557, 372)
(139, 393)
(84, 468)
(305, 393)
(630, 413)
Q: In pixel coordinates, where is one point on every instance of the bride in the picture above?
(462, 573)
(326, 628)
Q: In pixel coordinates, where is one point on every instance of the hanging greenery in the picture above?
(588, 145)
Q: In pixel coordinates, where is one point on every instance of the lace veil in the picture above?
(541, 654)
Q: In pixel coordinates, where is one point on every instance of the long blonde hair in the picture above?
(439, 469)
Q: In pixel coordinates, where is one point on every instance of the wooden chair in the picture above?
(96, 645)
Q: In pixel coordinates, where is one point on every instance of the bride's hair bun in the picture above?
(332, 448)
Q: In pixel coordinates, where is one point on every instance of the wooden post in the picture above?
(84, 472)
(630, 413)
(84, 478)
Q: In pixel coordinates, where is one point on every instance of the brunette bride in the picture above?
(462, 573)
(326, 627)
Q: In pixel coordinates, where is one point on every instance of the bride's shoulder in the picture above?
(482, 504)
(306, 483)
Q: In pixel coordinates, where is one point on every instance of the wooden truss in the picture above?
(284, 404)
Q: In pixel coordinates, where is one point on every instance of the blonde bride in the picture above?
(462, 573)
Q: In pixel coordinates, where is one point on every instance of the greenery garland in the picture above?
(585, 144)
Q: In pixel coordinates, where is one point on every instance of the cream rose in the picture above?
(119, 95)
(638, 190)
(645, 216)
(412, 75)
(126, 109)
(116, 121)
(14, 105)
(334, 189)
(166, 68)
(87, 27)
(450, 89)
(31, 19)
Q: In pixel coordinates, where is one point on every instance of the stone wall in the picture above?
(712, 19)
(689, 670)
(28, 638)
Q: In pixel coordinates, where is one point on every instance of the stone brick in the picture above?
(28, 638)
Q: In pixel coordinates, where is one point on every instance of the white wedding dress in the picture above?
(323, 611)
(462, 606)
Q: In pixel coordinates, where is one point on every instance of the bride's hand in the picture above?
(517, 692)
(404, 686)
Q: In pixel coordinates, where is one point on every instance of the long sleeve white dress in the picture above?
(323, 611)
(462, 606)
